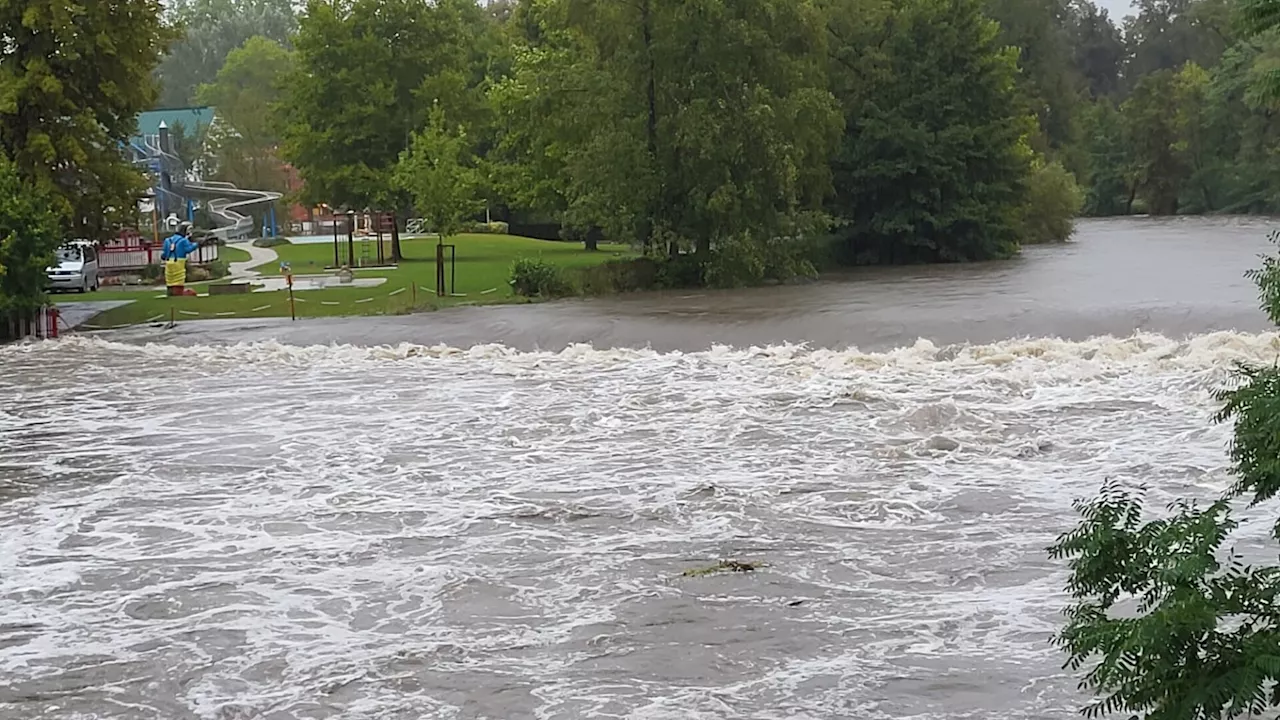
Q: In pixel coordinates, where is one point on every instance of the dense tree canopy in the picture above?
(671, 124)
(367, 74)
(73, 78)
(936, 156)
(246, 92)
(28, 235)
(211, 30)
(907, 131)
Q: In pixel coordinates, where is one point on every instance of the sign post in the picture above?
(288, 279)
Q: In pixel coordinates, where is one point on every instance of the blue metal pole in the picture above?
(274, 230)
(191, 211)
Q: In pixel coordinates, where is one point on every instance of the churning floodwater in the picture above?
(231, 530)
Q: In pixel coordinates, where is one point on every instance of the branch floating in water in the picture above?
(724, 566)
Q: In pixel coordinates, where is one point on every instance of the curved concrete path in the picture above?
(257, 256)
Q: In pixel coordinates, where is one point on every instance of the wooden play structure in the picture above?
(369, 237)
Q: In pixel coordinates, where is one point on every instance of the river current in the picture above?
(220, 525)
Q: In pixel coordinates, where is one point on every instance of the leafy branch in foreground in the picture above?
(1172, 625)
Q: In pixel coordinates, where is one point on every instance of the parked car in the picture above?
(77, 267)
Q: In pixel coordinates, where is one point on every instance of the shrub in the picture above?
(491, 228)
(152, 273)
(218, 269)
(742, 261)
(1053, 202)
(615, 276)
(681, 271)
(535, 277)
(642, 273)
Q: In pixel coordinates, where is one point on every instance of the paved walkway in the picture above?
(75, 313)
(257, 256)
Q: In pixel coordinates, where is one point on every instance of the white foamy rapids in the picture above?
(270, 531)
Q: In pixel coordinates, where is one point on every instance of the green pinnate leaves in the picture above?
(1169, 621)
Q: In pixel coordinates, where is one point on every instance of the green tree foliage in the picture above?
(1167, 34)
(1109, 180)
(212, 30)
(1201, 641)
(1098, 48)
(1152, 128)
(28, 237)
(245, 93)
(1196, 146)
(1048, 83)
(1196, 101)
(1246, 130)
(677, 124)
(1192, 137)
(1054, 199)
(73, 77)
(935, 158)
(438, 171)
(367, 74)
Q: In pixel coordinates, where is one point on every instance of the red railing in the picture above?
(139, 256)
(42, 324)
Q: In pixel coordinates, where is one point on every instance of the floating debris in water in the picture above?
(724, 566)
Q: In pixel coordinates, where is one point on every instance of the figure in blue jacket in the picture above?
(174, 253)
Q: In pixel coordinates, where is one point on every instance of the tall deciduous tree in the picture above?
(1167, 34)
(1110, 179)
(1097, 48)
(73, 77)
(936, 156)
(438, 171)
(367, 74)
(28, 236)
(1047, 79)
(212, 30)
(678, 124)
(1151, 119)
(246, 93)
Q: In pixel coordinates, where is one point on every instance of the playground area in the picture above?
(478, 274)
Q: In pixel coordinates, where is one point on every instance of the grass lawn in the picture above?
(482, 270)
(233, 254)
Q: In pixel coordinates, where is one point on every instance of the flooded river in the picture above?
(470, 515)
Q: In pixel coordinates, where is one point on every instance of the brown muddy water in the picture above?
(469, 514)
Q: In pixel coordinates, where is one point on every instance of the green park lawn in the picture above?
(483, 270)
(233, 254)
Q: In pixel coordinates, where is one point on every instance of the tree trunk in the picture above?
(396, 256)
(651, 125)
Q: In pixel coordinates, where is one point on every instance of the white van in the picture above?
(77, 268)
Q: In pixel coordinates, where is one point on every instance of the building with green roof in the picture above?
(194, 121)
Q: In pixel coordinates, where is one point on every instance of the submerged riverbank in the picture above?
(1173, 277)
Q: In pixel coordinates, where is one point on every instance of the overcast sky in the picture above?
(1116, 9)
